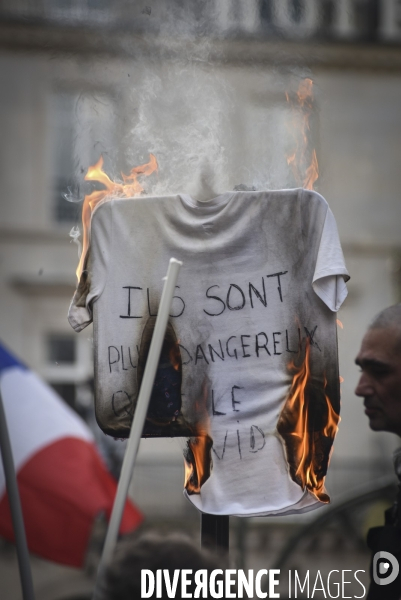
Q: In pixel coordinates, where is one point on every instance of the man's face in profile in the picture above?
(380, 383)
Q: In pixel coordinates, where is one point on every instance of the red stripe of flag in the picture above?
(63, 487)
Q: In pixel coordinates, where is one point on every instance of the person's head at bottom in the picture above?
(151, 565)
(380, 361)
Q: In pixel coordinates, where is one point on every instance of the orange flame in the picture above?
(303, 442)
(302, 160)
(175, 356)
(333, 419)
(340, 324)
(197, 458)
(197, 463)
(131, 187)
(312, 173)
(305, 92)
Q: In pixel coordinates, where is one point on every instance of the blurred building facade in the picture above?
(203, 86)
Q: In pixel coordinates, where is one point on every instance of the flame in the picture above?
(197, 456)
(131, 187)
(175, 356)
(306, 444)
(197, 463)
(305, 92)
(341, 379)
(302, 160)
(340, 324)
(312, 173)
(333, 419)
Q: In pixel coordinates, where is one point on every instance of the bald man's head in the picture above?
(389, 318)
(380, 361)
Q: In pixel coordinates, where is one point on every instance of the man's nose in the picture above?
(364, 387)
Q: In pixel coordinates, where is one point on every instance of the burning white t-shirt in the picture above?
(252, 321)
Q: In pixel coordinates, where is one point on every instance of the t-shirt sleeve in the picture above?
(93, 278)
(330, 272)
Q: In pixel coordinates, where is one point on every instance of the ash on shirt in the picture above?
(254, 311)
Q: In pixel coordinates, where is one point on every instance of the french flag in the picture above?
(62, 479)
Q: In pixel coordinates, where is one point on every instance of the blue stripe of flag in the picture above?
(7, 360)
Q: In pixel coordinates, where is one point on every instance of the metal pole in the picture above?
(15, 508)
(242, 528)
(215, 532)
(140, 413)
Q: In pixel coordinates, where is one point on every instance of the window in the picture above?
(78, 11)
(81, 130)
(61, 349)
(67, 391)
(63, 173)
(61, 354)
